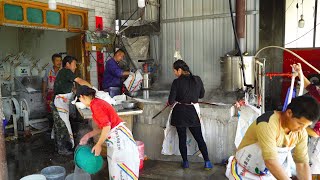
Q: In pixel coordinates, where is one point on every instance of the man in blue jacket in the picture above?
(113, 73)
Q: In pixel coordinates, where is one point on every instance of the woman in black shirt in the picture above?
(185, 91)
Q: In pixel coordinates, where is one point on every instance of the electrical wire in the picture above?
(301, 36)
(238, 46)
(289, 5)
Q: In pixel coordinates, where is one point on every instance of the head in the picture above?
(180, 67)
(70, 62)
(301, 113)
(119, 55)
(56, 60)
(85, 94)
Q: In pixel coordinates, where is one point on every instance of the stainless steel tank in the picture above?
(232, 78)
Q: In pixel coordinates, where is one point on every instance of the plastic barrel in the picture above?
(140, 145)
(34, 177)
(54, 172)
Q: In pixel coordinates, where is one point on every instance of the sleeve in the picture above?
(70, 76)
(317, 128)
(100, 116)
(313, 91)
(45, 77)
(267, 136)
(202, 91)
(300, 153)
(173, 93)
(114, 69)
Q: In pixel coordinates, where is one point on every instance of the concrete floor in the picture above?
(29, 155)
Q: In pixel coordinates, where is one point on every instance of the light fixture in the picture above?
(141, 3)
(52, 4)
(301, 22)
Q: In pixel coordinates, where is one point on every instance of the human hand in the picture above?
(96, 150)
(84, 140)
(297, 68)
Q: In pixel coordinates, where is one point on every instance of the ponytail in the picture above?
(180, 64)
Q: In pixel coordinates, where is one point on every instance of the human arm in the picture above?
(82, 82)
(297, 67)
(86, 137)
(267, 135)
(103, 137)
(303, 171)
(311, 132)
(173, 93)
(301, 157)
(202, 91)
(276, 169)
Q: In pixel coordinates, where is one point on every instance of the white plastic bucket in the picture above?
(34, 177)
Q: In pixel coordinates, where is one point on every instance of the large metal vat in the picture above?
(232, 78)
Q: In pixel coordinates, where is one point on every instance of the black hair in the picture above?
(305, 106)
(86, 91)
(180, 64)
(118, 51)
(68, 59)
(54, 56)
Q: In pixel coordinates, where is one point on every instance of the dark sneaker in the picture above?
(207, 165)
(185, 164)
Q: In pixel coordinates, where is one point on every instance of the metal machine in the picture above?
(147, 73)
(254, 72)
(29, 96)
(21, 92)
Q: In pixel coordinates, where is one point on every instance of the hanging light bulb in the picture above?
(301, 22)
(141, 3)
(52, 4)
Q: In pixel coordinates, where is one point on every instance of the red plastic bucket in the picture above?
(140, 145)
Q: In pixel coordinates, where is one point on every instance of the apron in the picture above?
(63, 110)
(122, 154)
(170, 145)
(248, 164)
(314, 155)
(49, 97)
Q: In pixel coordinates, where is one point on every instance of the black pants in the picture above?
(197, 134)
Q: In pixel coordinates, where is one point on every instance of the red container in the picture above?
(141, 164)
(140, 145)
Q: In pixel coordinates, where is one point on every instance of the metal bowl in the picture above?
(130, 104)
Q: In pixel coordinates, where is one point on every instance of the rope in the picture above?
(296, 55)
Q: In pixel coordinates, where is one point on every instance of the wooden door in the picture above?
(75, 47)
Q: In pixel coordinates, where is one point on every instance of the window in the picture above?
(13, 12)
(34, 15)
(53, 18)
(75, 21)
(37, 14)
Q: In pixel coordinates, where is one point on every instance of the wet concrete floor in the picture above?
(29, 155)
